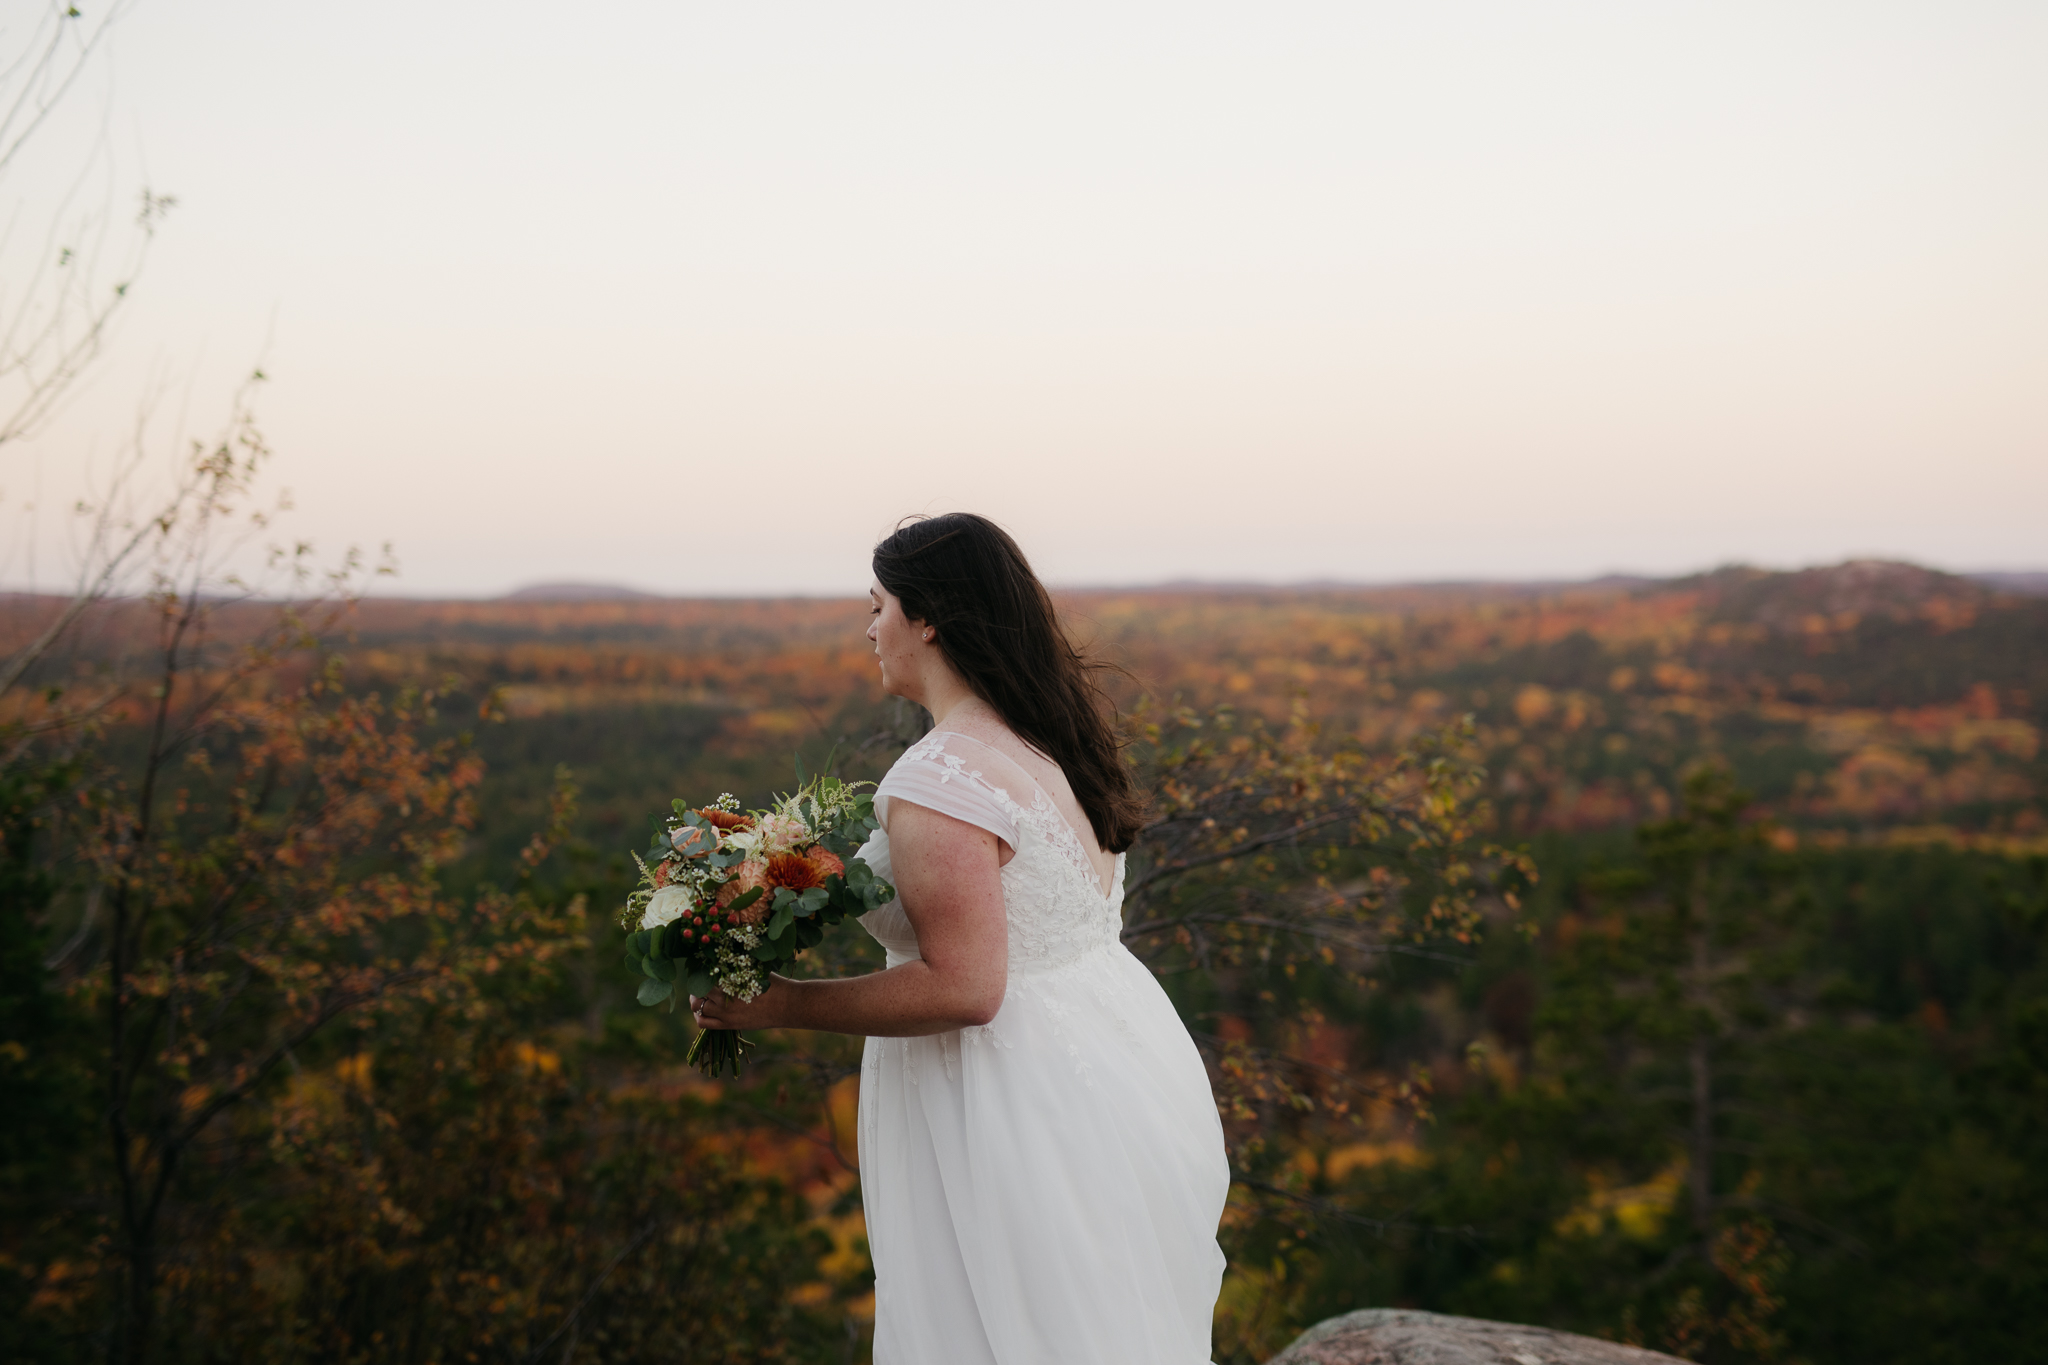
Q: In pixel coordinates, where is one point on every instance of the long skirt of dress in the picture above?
(1045, 1188)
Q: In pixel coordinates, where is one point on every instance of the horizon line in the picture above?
(578, 590)
(587, 590)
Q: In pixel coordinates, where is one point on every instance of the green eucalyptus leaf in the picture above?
(700, 984)
(654, 992)
(746, 898)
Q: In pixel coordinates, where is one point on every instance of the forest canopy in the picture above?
(1658, 960)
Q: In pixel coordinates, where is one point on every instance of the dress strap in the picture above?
(932, 776)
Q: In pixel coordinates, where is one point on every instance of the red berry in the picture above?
(688, 934)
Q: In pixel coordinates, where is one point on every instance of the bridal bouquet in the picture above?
(726, 897)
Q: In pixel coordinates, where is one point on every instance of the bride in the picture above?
(1040, 1159)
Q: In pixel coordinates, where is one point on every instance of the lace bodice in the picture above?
(1057, 911)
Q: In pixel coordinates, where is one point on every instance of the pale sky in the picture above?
(701, 298)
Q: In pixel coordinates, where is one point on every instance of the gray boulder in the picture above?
(1401, 1336)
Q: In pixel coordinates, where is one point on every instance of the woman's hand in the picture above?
(766, 1010)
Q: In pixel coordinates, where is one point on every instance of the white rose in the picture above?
(666, 906)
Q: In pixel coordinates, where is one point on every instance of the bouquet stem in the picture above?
(714, 1049)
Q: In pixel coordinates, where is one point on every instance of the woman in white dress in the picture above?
(1041, 1163)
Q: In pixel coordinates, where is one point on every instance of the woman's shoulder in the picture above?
(956, 776)
(989, 736)
(995, 758)
(956, 752)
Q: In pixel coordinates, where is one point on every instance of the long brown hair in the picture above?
(964, 576)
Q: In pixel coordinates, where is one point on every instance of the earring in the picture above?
(927, 637)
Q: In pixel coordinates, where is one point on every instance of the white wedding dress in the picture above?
(1043, 1189)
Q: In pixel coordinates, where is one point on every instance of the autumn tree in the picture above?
(63, 292)
(231, 851)
(1680, 972)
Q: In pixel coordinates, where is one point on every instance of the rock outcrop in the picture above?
(1401, 1336)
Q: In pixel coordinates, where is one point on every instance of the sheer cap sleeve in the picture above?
(932, 775)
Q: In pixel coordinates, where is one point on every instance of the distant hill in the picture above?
(577, 592)
(1852, 590)
(2029, 584)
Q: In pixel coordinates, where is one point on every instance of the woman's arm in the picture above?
(949, 876)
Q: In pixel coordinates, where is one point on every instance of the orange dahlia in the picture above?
(745, 878)
(794, 871)
(825, 861)
(726, 820)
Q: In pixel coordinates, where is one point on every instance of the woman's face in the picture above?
(898, 643)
